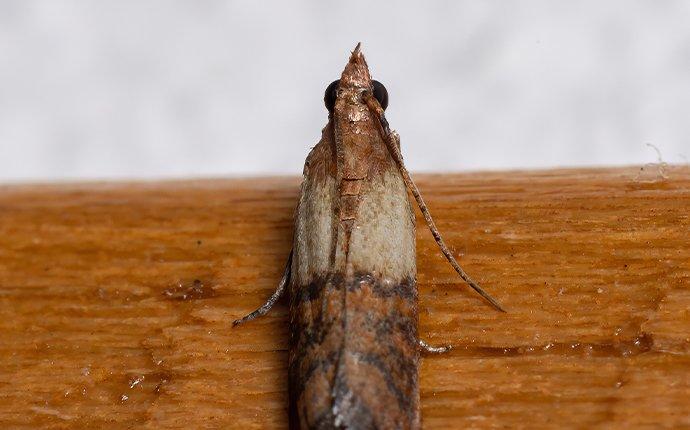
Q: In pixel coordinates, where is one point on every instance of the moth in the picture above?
(351, 275)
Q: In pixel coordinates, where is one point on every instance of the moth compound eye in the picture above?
(330, 95)
(381, 94)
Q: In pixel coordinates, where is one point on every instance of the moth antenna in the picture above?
(263, 310)
(393, 143)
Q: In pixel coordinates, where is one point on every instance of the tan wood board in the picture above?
(116, 301)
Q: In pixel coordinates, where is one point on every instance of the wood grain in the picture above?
(116, 301)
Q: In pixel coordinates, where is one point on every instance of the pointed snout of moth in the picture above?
(356, 73)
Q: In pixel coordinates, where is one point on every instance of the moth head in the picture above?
(354, 81)
(378, 89)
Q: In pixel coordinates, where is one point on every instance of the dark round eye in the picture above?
(380, 94)
(330, 95)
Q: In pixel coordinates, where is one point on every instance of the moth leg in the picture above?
(263, 310)
(392, 140)
(425, 347)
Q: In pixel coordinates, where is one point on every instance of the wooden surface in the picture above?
(116, 302)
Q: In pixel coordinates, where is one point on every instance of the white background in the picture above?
(150, 89)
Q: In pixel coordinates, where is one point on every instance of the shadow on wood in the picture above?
(116, 302)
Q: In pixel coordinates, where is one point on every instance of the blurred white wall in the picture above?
(94, 89)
